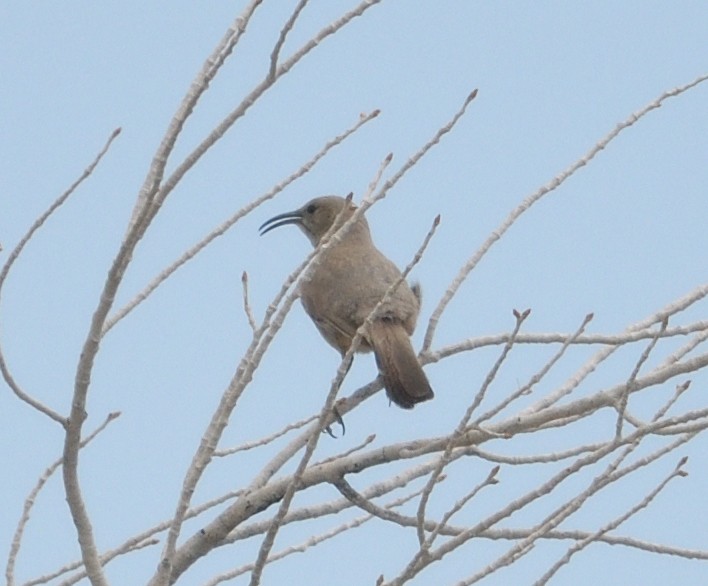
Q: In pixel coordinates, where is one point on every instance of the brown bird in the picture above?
(352, 276)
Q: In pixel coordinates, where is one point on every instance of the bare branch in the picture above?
(658, 317)
(143, 539)
(246, 304)
(620, 339)
(533, 198)
(418, 155)
(578, 546)
(367, 441)
(281, 38)
(611, 474)
(146, 206)
(536, 377)
(490, 480)
(14, 255)
(32, 497)
(692, 344)
(266, 440)
(445, 458)
(348, 492)
(312, 541)
(624, 399)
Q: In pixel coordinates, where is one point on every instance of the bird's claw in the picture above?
(338, 418)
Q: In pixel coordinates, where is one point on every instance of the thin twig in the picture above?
(14, 255)
(32, 497)
(594, 537)
(420, 562)
(281, 38)
(246, 304)
(693, 343)
(677, 393)
(445, 457)
(610, 475)
(536, 377)
(490, 480)
(334, 507)
(420, 153)
(665, 312)
(136, 542)
(624, 399)
(266, 440)
(159, 196)
(539, 194)
(358, 500)
(367, 441)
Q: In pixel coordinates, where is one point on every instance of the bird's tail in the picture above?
(404, 379)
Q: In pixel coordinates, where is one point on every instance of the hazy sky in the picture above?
(622, 238)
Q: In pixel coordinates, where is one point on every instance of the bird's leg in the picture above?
(335, 411)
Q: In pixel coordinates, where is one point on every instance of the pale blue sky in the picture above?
(622, 238)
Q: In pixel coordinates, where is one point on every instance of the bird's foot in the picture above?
(337, 417)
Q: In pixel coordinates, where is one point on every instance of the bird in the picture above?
(343, 288)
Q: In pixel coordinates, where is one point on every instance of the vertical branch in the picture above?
(143, 214)
(72, 443)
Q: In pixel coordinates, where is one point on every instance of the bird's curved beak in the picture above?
(281, 220)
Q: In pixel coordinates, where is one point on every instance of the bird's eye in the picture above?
(311, 208)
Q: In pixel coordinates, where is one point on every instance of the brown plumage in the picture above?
(345, 286)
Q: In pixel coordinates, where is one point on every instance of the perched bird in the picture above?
(347, 283)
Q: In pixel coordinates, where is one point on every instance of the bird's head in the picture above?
(316, 217)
